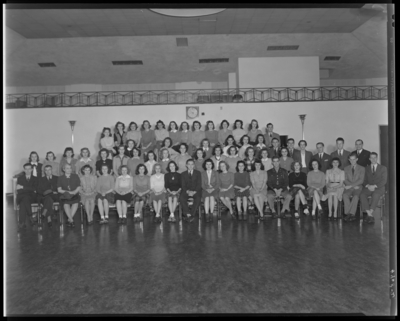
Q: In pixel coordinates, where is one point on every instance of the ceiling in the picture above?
(65, 23)
(83, 42)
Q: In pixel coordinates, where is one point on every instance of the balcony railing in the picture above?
(208, 96)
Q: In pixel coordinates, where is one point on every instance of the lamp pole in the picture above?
(302, 118)
(72, 123)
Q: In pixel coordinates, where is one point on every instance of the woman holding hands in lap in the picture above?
(173, 186)
(123, 193)
(157, 194)
(226, 180)
(242, 188)
(258, 192)
(210, 185)
(88, 191)
(141, 188)
(316, 183)
(105, 195)
(298, 188)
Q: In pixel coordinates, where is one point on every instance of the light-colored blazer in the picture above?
(354, 180)
(214, 181)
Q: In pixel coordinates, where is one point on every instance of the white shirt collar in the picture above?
(88, 160)
(165, 160)
(34, 163)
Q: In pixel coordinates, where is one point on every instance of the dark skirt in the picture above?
(205, 194)
(127, 197)
(109, 197)
(293, 191)
(246, 193)
(170, 195)
(74, 200)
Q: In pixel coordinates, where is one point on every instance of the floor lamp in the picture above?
(302, 118)
(72, 123)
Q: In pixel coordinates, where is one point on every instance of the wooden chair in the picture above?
(35, 206)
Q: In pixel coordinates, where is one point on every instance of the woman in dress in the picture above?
(223, 132)
(267, 162)
(50, 160)
(238, 132)
(167, 143)
(134, 161)
(148, 138)
(175, 135)
(68, 158)
(119, 160)
(164, 160)
(157, 194)
(249, 159)
(197, 136)
(226, 180)
(173, 185)
(229, 142)
(130, 145)
(334, 179)
(217, 156)
(85, 160)
(107, 142)
(316, 183)
(254, 132)
(119, 135)
(37, 168)
(134, 134)
(210, 185)
(141, 188)
(104, 160)
(211, 133)
(199, 158)
(258, 191)
(123, 193)
(244, 142)
(232, 159)
(186, 135)
(285, 161)
(298, 188)
(161, 133)
(205, 145)
(260, 144)
(88, 191)
(181, 159)
(69, 185)
(242, 189)
(105, 196)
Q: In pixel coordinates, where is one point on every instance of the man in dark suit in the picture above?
(191, 189)
(304, 156)
(291, 150)
(47, 193)
(354, 176)
(275, 150)
(26, 194)
(362, 154)
(374, 186)
(323, 158)
(269, 135)
(341, 153)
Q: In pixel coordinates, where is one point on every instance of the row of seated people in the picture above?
(256, 185)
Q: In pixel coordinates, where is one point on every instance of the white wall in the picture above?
(268, 72)
(47, 129)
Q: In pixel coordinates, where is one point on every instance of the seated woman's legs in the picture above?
(101, 208)
(119, 209)
(170, 205)
(239, 204)
(124, 209)
(335, 204)
(297, 201)
(67, 210)
(259, 204)
(207, 205)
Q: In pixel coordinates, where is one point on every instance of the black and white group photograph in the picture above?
(197, 160)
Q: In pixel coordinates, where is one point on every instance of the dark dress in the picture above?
(242, 180)
(100, 163)
(69, 184)
(173, 182)
(298, 178)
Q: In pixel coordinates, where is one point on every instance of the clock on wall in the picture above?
(192, 112)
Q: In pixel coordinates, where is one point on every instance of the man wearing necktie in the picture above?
(47, 193)
(292, 152)
(322, 157)
(191, 189)
(341, 153)
(26, 194)
(363, 155)
(354, 178)
(275, 149)
(374, 186)
(269, 135)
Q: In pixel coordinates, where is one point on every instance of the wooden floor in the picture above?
(275, 266)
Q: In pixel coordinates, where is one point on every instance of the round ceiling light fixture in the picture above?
(187, 12)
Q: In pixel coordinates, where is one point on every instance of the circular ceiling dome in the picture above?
(187, 12)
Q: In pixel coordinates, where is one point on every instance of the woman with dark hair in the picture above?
(285, 161)
(229, 142)
(334, 179)
(119, 135)
(250, 158)
(88, 191)
(238, 132)
(123, 192)
(226, 180)
(85, 160)
(130, 145)
(298, 188)
(182, 158)
(316, 183)
(119, 160)
(134, 134)
(148, 138)
(105, 196)
(232, 159)
(68, 158)
(210, 185)
(186, 135)
(151, 160)
(242, 187)
(167, 144)
(254, 132)
(173, 185)
(134, 161)
(164, 160)
(107, 142)
(205, 145)
(157, 194)
(175, 135)
(260, 143)
(161, 133)
(50, 160)
(199, 157)
(141, 188)
(258, 179)
(37, 168)
(211, 133)
(265, 160)
(217, 156)
(223, 132)
(197, 136)
(104, 160)
(245, 143)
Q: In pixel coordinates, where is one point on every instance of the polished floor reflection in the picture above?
(274, 266)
